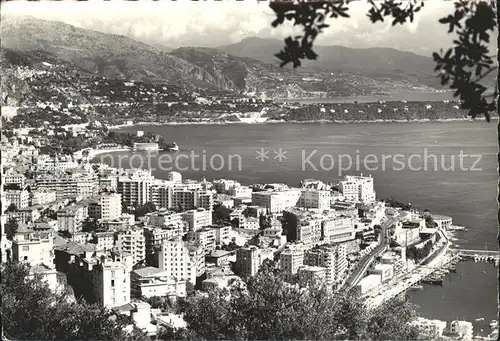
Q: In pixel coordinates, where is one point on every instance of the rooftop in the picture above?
(147, 271)
(75, 248)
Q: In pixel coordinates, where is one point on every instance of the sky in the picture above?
(215, 23)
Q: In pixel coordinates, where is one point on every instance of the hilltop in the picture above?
(241, 71)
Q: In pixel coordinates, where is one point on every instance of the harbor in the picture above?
(463, 295)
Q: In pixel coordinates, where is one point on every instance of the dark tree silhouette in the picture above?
(462, 67)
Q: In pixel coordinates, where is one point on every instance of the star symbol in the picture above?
(280, 154)
(262, 154)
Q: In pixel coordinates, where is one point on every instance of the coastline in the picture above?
(96, 152)
(142, 124)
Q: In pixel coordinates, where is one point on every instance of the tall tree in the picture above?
(267, 308)
(31, 311)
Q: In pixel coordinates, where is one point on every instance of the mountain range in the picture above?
(248, 66)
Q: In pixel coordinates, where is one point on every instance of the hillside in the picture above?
(106, 55)
(373, 62)
(119, 57)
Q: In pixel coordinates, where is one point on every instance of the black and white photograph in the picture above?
(249, 170)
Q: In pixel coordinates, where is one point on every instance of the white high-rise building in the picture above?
(276, 201)
(333, 258)
(180, 196)
(33, 247)
(358, 189)
(20, 198)
(70, 218)
(69, 185)
(206, 237)
(291, 259)
(314, 199)
(182, 260)
(166, 218)
(132, 242)
(135, 188)
(196, 219)
(111, 205)
(339, 229)
(111, 283)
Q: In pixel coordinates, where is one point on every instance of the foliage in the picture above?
(267, 308)
(31, 311)
(90, 225)
(161, 302)
(397, 204)
(463, 66)
(220, 214)
(12, 208)
(468, 62)
(11, 228)
(419, 254)
(232, 246)
(49, 213)
(141, 211)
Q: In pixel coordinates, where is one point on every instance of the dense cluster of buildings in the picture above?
(122, 235)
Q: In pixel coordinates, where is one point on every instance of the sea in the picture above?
(449, 168)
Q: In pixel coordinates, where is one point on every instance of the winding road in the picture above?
(363, 265)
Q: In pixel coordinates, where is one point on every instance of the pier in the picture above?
(478, 255)
(472, 253)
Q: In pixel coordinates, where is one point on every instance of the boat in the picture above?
(457, 228)
(479, 319)
(417, 287)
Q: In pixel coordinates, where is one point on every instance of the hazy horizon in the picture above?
(214, 24)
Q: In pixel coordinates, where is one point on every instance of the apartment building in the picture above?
(111, 282)
(151, 281)
(14, 178)
(291, 259)
(104, 240)
(69, 186)
(222, 234)
(276, 201)
(358, 189)
(182, 260)
(166, 218)
(302, 225)
(132, 241)
(134, 187)
(338, 229)
(206, 237)
(249, 259)
(20, 198)
(56, 164)
(196, 219)
(332, 257)
(42, 197)
(33, 247)
(314, 199)
(154, 237)
(70, 218)
(111, 205)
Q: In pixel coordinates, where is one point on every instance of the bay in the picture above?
(467, 192)
(428, 151)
